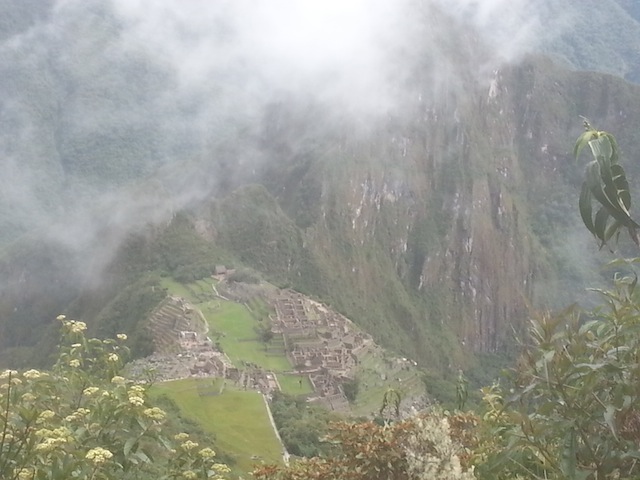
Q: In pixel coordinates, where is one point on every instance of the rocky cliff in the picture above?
(449, 220)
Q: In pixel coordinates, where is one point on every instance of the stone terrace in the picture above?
(182, 348)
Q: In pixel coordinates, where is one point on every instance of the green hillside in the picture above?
(594, 35)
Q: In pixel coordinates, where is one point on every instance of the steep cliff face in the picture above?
(449, 221)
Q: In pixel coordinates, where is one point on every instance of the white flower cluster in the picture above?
(432, 454)
(98, 455)
(28, 397)
(53, 439)
(220, 469)
(207, 453)
(155, 413)
(24, 473)
(136, 395)
(75, 327)
(90, 391)
(79, 414)
(32, 374)
(8, 373)
(45, 415)
(189, 445)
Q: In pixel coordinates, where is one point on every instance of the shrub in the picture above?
(83, 420)
(573, 411)
(436, 446)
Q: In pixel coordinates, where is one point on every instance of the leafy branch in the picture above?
(605, 184)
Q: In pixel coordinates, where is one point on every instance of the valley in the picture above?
(217, 329)
(213, 354)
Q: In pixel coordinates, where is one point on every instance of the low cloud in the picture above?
(166, 90)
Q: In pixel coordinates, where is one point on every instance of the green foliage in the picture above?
(351, 389)
(606, 183)
(244, 275)
(124, 312)
(462, 391)
(301, 426)
(601, 35)
(434, 446)
(442, 390)
(574, 408)
(82, 420)
(391, 401)
(253, 226)
(264, 332)
(184, 253)
(129, 288)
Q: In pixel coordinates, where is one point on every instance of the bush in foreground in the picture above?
(436, 446)
(83, 420)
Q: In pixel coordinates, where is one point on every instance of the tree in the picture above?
(301, 425)
(83, 420)
(351, 387)
(265, 334)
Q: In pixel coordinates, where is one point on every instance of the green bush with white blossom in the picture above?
(82, 420)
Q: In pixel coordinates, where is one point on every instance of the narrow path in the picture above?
(215, 290)
(285, 454)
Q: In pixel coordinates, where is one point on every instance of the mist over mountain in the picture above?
(406, 161)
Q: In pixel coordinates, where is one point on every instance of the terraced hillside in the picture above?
(268, 339)
(172, 317)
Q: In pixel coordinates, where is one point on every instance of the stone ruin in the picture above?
(320, 344)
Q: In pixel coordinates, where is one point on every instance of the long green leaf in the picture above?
(613, 229)
(609, 417)
(594, 180)
(569, 461)
(585, 207)
(600, 224)
(614, 147)
(129, 444)
(601, 147)
(583, 141)
(606, 176)
(622, 186)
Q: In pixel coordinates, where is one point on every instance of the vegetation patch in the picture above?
(376, 374)
(234, 329)
(295, 384)
(238, 419)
